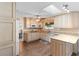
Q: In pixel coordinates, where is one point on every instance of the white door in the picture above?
(7, 29)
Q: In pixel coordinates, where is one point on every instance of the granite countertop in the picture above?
(67, 31)
(70, 35)
(39, 31)
(66, 38)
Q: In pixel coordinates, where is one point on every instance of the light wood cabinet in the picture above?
(75, 19)
(39, 23)
(60, 48)
(69, 20)
(57, 48)
(31, 36)
(45, 37)
(28, 22)
(63, 21)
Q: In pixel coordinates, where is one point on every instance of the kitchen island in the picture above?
(64, 45)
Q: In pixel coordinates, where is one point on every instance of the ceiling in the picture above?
(44, 9)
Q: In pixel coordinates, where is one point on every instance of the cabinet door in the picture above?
(75, 19)
(32, 37)
(63, 21)
(63, 49)
(57, 22)
(29, 37)
(67, 21)
(44, 36)
(69, 49)
(26, 36)
(53, 47)
(37, 35)
(7, 29)
(57, 48)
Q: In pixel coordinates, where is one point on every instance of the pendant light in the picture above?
(37, 18)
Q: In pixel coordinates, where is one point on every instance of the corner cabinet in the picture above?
(69, 20)
(7, 29)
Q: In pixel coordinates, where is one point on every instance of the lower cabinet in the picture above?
(28, 37)
(31, 36)
(43, 36)
(60, 48)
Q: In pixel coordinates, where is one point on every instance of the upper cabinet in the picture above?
(32, 23)
(67, 21)
(49, 23)
(75, 19)
(6, 9)
(37, 22)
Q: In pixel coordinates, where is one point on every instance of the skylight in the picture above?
(52, 9)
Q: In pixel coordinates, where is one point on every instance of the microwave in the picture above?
(34, 26)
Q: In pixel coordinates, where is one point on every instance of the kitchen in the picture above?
(39, 28)
(59, 32)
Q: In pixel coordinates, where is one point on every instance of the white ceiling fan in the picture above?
(65, 7)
